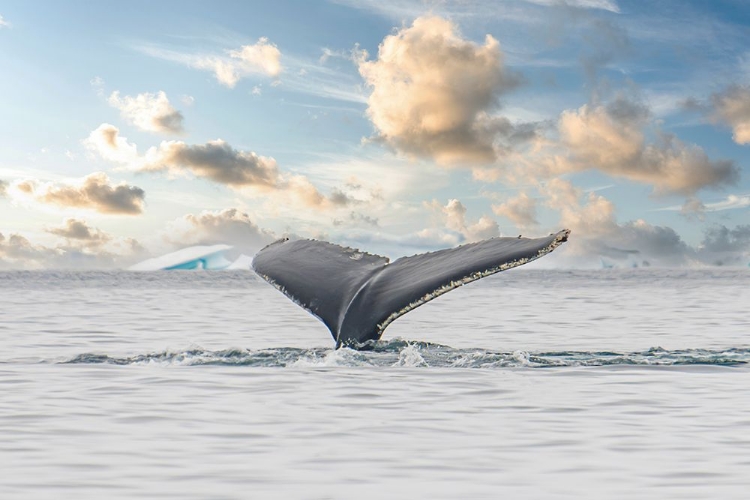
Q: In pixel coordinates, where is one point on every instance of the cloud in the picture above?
(521, 210)
(453, 216)
(693, 208)
(17, 252)
(720, 238)
(220, 162)
(230, 226)
(97, 83)
(4, 23)
(79, 231)
(94, 192)
(732, 107)
(357, 219)
(724, 246)
(596, 234)
(433, 92)
(149, 112)
(215, 160)
(696, 206)
(483, 10)
(611, 139)
(609, 5)
(598, 238)
(3, 188)
(262, 57)
(595, 217)
(107, 142)
(731, 202)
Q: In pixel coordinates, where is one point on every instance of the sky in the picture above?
(398, 127)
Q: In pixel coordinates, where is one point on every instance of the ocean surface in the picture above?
(528, 384)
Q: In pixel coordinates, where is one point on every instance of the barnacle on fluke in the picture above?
(358, 294)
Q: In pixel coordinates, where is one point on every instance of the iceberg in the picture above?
(198, 257)
(243, 262)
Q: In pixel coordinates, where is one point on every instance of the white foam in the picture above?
(335, 357)
(410, 356)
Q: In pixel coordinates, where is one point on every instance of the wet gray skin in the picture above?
(357, 294)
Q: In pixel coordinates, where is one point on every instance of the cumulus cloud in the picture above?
(611, 139)
(17, 252)
(721, 239)
(76, 230)
(149, 112)
(521, 210)
(597, 234)
(215, 160)
(723, 246)
(587, 214)
(94, 192)
(453, 216)
(262, 57)
(4, 23)
(230, 226)
(732, 107)
(433, 92)
(107, 142)
(220, 162)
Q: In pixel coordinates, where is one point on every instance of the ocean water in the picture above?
(528, 384)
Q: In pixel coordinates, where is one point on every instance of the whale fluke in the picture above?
(357, 294)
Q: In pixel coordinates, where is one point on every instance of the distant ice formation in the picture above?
(243, 262)
(197, 257)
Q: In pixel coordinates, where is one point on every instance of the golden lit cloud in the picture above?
(94, 192)
(106, 141)
(732, 106)
(78, 231)
(262, 57)
(432, 93)
(221, 163)
(612, 139)
(229, 226)
(453, 216)
(520, 210)
(149, 112)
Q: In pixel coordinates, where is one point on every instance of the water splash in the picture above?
(402, 353)
(410, 356)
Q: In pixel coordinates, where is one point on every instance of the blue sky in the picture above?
(394, 126)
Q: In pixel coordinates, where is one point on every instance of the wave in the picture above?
(405, 353)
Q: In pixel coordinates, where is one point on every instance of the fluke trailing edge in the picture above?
(357, 294)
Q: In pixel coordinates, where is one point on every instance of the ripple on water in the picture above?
(402, 353)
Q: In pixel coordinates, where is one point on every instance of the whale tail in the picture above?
(357, 294)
